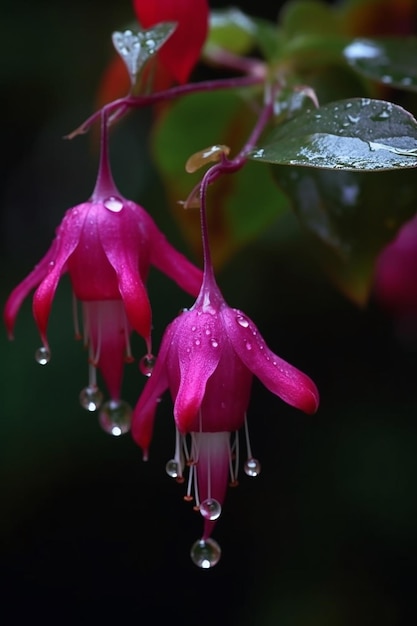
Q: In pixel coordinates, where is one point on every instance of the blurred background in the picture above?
(325, 536)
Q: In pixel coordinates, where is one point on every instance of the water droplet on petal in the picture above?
(91, 398)
(252, 467)
(42, 355)
(205, 553)
(242, 321)
(210, 509)
(115, 417)
(214, 343)
(113, 204)
(146, 364)
(172, 468)
(248, 345)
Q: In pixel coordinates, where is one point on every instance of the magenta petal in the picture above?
(197, 361)
(174, 264)
(144, 411)
(68, 235)
(284, 380)
(21, 291)
(121, 244)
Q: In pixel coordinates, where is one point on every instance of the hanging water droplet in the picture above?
(205, 553)
(146, 364)
(91, 398)
(115, 417)
(242, 321)
(172, 468)
(42, 355)
(113, 204)
(252, 467)
(210, 509)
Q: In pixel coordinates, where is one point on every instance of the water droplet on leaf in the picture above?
(205, 553)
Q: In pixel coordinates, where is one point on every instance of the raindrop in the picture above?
(115, 417)
(210, 509)
(42, 355)
(172, 468)
(197, 342)
(113, 204)
(146, 364)
(248, 346)
(252, 467)
(205, 553)
(242, 321)
(214, 343)
(91, 398)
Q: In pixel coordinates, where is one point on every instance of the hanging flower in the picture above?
(107, 246)
(180, 53)
(207, 360)
(395, 286)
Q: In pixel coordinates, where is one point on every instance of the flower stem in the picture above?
(105, 185)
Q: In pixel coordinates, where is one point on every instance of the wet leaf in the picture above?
(389, 61)
(350, 217)
(354, 134)
(231, 30)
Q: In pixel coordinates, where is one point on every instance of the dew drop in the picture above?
(214, 343)
(113, 204)
(210, 509)
(205, 553)
(248, 346)
(146, 364)
(172, 468)
(42, 355)
(115, 417)
(197, 342)
(252, 467)
(91, 398)
(242, 321)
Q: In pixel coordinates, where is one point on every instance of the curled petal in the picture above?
(284, 380)
(21, 291)
(197, 361)
(120, 243)
(144, 411)
(66, 241)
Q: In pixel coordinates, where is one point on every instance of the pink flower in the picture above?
(107, 246)
(395, 285)
(181, 52)
(207, 360)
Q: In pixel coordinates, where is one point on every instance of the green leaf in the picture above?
(350, 217)
(241, 205)
(389, 61)
(308, 17)
(231, 30)
(354, 134)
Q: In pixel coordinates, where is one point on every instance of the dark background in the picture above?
(326, 536)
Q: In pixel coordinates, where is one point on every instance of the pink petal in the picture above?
(144, 411)
(21, 291)
(67, 238)
(174, 264)
(123, 247)
(284, 380)
(193, 352)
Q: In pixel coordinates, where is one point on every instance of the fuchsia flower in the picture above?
(106, 245)
(181, 52)
(207, 360)
(395, 285)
